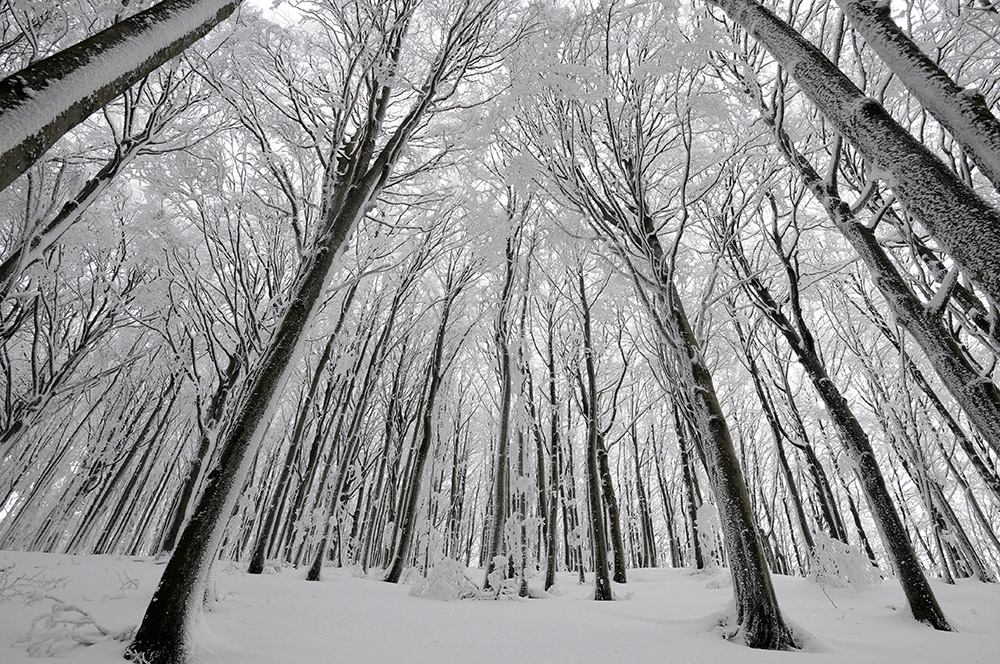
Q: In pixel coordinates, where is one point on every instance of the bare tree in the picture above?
(48, 98)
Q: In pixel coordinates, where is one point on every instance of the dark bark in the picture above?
(964, 113)
(34, 107)
(500, 460)
(436, 370)
(965, 225)
(923, 604)
(598, 540)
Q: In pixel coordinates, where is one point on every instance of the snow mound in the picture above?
(446, 581)
(840, 565)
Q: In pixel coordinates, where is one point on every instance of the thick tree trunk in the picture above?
(966, 226)
(165, 634)
(760, 620)
(964, 113)
(48, 98)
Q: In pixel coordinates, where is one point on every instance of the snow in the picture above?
(669, 615)
(23, 121)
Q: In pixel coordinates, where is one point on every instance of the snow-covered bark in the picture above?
(977, 395)
(923, 604)
(43, 101)
(759, 618)
(355, 176)
(457, 280)
(962, 112)
(501, 336)
(599, 537)
(966, 226)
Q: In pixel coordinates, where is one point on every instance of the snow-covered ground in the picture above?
(664, 616)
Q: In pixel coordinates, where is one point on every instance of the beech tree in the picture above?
(412, 284)
(48, 98)
(353, 180)
(602, 166)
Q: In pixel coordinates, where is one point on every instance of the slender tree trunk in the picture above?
(501, 333)
(610, 500)
(551, 541)
(197, 465)
(923, 604)
(436, 369)
(599, 544)
(257, 558)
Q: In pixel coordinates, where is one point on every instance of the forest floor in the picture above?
(664, 615)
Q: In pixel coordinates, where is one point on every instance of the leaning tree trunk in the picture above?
(165, 634)
(965, 225)
(977, 396)
(45, 100)
(164, 637)
(923, 604)
(964, 113)
(760, 620)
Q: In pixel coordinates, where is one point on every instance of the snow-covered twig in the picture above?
(65, 626)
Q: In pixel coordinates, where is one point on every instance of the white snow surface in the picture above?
(666, 615)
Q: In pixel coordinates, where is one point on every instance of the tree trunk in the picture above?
(966, 226)
(963, 113)
(502, 330)
(48, 98)
(758, 615)
(436, 369)
(598, 538)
